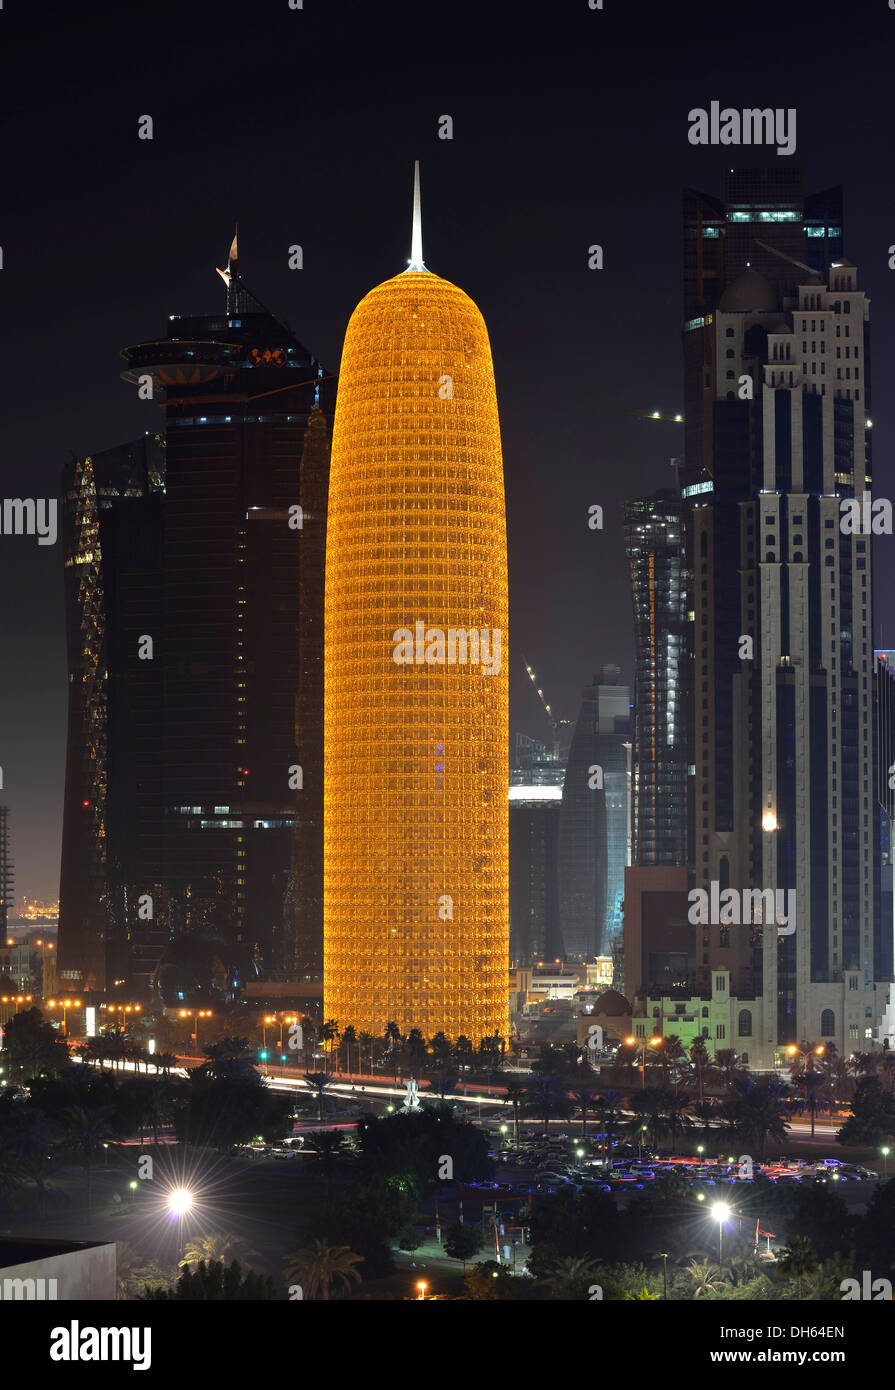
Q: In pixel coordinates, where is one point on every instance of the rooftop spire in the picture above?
(416, 238)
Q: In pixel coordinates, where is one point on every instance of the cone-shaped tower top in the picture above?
(416, 237)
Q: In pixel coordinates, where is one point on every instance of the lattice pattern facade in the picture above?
(415, 764)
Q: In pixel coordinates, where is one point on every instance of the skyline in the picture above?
(556, 328)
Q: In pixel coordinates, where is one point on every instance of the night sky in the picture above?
(570, 128)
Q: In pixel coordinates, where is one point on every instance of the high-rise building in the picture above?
(194, 581)
(6, 873)
(593, 835)
(660, 732)
(776, 343)
(111, 533)
(416, 733)
(535, 795)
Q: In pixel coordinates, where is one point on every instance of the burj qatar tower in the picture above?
(416, 893)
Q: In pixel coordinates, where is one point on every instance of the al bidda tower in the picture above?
(416, 898)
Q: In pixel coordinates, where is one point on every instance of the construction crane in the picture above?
(657, 415)
(555, 723)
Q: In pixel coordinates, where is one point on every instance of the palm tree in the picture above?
(329, 1145)
(328, 1033)
(314, 1269)
(217, 1246)
(797, 1259)
(705, 1279)
(463, 1052)
(319, 1081)
(567, 1270)
(392, 1036)
(607, 1110)
(88, 1130)
(675, 1114)
(673, 1052)
(756, 1111)
(816, 1090)
(365, 1040)
(547, 1098)
(514, 1094)
(164, 1061)
(34, 1141)
(416, 1049)
(727, 1062)
(349, 1038)
(699, 1057)
(440, 1046)
(582, 1097)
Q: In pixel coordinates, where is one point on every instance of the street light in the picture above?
(64, 1005)
(663, 1255)
(197, 1013)
(653, 1042)
(720, 1211)
(180, 1202)
(422, 1286)
(885, 1153)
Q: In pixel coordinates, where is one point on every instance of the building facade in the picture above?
(594, 819)
(660, 725)
(778, 444)
(416, 894)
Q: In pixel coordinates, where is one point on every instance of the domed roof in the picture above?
(750, 291)
(612, 1003)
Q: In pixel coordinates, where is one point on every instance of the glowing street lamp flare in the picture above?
(415, 865)
(180, 1201)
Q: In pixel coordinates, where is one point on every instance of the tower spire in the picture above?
(416, 236)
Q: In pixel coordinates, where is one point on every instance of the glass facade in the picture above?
(654, 543)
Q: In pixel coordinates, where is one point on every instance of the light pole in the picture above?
(885, 1153)
(652, 1042)
(197, 1014)
(179, 1203)
(663, 1255)
(720, 1211)
(64, 1005)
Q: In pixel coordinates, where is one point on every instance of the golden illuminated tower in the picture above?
(415, 886)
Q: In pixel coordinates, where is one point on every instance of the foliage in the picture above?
(216, 1283)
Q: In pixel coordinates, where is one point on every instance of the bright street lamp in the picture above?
(885, 1151)
(721, 1211)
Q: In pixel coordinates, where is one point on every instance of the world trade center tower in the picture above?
(416, 893)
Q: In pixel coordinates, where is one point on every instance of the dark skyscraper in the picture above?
(536, 781)
(593, 835)
(223, 635)
(660, 727)
(776, 344)
(111, 533)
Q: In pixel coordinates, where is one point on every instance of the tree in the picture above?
(319, 1082)
(570, 1276)
(88, 1130)
(34, 1143)
(217, 1248)
(755, 1112)
(315, 1268)
(463, 1052)
(798, 1258)
(349, 1040)
(872, 1121)
(815, 1090)
(215, 1283)
(608, 1113)
(515, 1093)
(440, 1047)
(134, 1274)
(582, 1097)
(416, 1049)
(547, 1099)
(329, 1146)
(328, 1033)
(461, 1242)
(488, 1281)
(32, 1045)
(393, 1038)
(727, 1065)
(704, 1279)
(699, 1057)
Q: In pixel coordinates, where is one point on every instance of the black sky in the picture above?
(570, 128)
